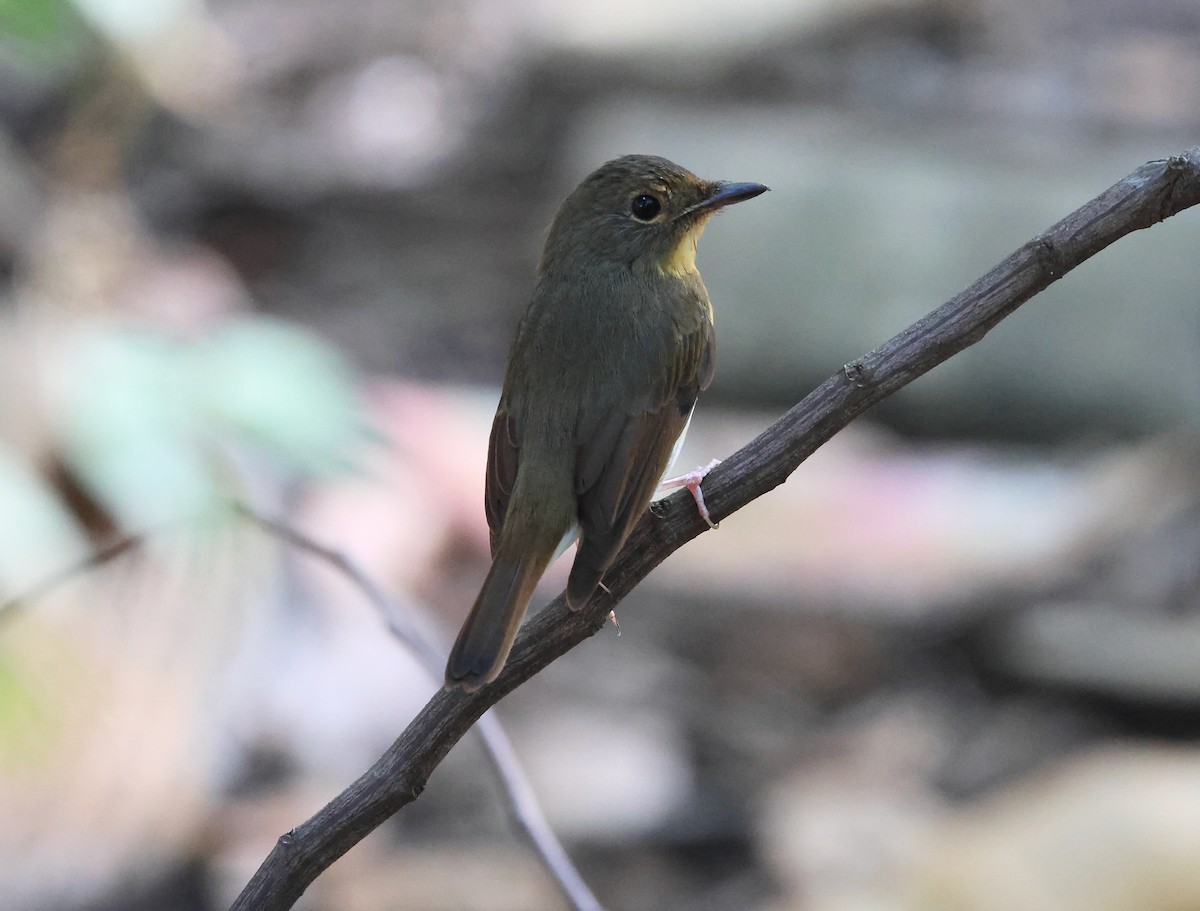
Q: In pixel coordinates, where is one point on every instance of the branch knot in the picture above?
(1049, 255)
(857, 373)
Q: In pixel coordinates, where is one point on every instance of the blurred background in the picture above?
(274, 252)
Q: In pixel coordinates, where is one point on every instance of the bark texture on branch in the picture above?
(1150, 194)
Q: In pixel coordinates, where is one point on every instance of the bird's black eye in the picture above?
(645, 207)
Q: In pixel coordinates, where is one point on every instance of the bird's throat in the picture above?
(682, 259)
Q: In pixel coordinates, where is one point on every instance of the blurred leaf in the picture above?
(133, 20)
(150, 418)
(280, 388)
(30, 718)
(130, 430)
(42, 31)
(36, 537)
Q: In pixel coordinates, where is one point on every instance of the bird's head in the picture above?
(638, 210)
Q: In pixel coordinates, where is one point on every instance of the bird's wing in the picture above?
(624, 449)
(504, 453)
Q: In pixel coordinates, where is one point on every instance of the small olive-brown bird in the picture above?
(615, 347)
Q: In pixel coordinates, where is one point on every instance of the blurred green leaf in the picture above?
(129, 430)
(151, 419)
(26, 730)
(36, 537)
(41, 30)
(278, 387)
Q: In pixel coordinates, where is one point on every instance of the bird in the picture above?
(615, 347)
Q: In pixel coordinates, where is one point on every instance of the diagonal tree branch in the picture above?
(1150, 194)
(407, 626)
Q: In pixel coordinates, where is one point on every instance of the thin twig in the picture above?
(1152, 193)
(407, 627)
(94, 560)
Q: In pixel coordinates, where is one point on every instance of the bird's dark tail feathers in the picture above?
(487, 635)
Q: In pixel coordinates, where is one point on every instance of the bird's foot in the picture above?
(692, 481)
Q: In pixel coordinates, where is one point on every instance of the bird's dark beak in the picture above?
(726, 194)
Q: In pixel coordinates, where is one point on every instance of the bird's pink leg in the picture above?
(692, 481)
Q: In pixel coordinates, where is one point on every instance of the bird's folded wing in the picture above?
(504, 454)
(624, 447)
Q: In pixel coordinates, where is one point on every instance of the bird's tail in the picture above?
(487, 635)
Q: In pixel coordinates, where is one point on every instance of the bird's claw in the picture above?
(692, 481)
